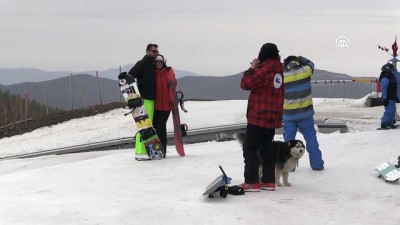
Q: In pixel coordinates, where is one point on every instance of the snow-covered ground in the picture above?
(110, 187)
(114, 125)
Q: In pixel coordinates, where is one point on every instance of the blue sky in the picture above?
(206, 37)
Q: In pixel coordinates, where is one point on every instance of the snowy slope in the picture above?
(112, 188)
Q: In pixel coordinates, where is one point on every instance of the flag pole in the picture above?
(394, 49)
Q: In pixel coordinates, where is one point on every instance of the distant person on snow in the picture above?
(264, 79)
(298, 111)
(389, 96)
(162, 99)
(397, 76)
(144, 73)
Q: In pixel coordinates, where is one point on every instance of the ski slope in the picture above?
(110, 187)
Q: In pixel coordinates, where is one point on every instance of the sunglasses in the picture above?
(154, 51)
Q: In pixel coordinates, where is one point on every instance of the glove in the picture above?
(385, 102)
(122, 75)
(135, 102)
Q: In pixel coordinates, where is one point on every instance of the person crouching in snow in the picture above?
(389, 96)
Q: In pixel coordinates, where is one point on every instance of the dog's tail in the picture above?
(239, 136)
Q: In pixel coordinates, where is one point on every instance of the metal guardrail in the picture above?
(217, 133)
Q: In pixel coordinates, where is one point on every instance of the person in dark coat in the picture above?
(162, 99)
(264, 79)
(389, 96)
(144, 73)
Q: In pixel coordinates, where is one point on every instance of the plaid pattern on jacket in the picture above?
(265, 104)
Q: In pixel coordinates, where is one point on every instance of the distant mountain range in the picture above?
(58, 91)
(21, 75)
(193, 86)
(228, 87)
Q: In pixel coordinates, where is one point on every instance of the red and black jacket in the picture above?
(265, 105)
(162, 100)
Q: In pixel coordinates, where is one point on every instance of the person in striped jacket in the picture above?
(298, 108)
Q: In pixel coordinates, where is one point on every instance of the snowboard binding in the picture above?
(135, 102)
(122, 75)
(147, 133)
(132, 105)
(184, 129)
(125, 78)
(180, 96)
(225, 190)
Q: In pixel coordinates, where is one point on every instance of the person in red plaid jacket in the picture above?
(264, 79)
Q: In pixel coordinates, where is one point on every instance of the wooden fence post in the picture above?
(26, 104)
(98, 87)
(84, 98)
(20, 109)
(47, 102)
(71, 93)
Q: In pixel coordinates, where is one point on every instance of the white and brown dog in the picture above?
(287, 156)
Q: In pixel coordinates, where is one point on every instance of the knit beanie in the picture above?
(289, 59)
(268, 51)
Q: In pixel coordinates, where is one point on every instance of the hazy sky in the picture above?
(210, 37)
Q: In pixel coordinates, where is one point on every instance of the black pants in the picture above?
(259, 139)
(160, 119)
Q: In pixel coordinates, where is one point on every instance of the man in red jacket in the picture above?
(264, 79)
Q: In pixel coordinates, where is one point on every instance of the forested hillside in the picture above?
(14, 108)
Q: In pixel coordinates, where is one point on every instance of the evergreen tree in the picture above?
(13, 108)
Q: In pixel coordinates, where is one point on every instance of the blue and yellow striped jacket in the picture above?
(298, 99)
